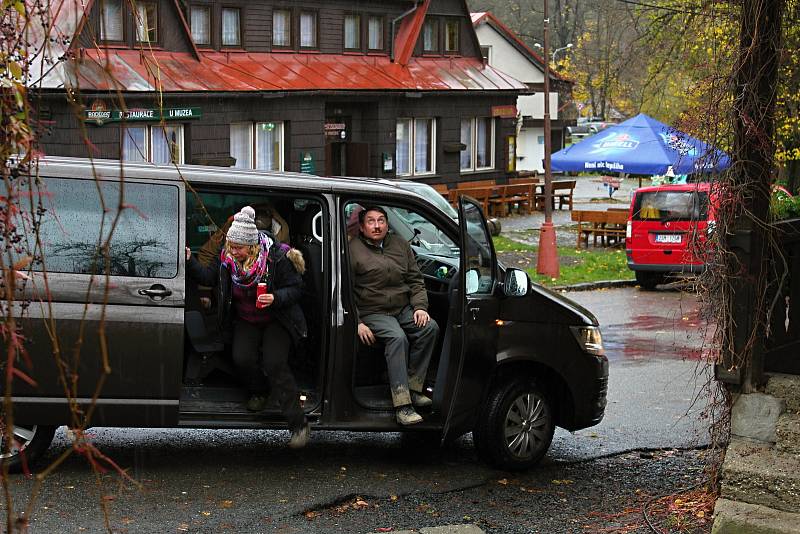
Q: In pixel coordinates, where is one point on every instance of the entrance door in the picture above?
(357, 163)
(480, 309)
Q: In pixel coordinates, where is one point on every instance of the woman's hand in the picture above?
(266, 300)
(188, 253)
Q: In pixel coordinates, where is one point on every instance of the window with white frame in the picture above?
(231, 27)
(153, 143)
(146, 22)
(257, 145)
(200, 21)
(352, 32)
(477, 135)
(282, 28)
(308, 29)
(111, 28)
(416, 147)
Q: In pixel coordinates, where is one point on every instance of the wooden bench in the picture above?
(481, 194)
(519, 195)
(562, 191)
(609, 226)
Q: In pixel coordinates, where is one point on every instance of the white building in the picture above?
(508, 53)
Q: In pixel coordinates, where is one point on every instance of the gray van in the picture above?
(115, 337)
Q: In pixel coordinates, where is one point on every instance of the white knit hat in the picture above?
(243, 231)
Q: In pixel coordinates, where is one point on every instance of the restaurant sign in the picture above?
(100, 115)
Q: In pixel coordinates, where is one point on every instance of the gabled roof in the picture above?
(145, 70)
(486, 17)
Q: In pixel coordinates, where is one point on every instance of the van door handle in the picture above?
(156, 292)
(474, 312)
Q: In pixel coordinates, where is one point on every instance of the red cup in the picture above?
(261, 290)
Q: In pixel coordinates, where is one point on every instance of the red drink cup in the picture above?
(260, 290)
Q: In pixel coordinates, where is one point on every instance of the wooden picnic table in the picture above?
(609, 226)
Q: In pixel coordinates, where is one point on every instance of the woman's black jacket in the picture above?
(286, 285)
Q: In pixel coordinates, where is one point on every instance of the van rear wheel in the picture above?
(29, 440)
(648, 280)
(516, 427)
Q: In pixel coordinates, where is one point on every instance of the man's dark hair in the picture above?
(363, 213)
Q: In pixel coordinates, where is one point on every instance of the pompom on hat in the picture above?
(243, 230)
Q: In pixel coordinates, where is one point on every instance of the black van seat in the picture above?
(206, 353)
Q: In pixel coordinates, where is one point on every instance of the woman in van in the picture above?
(266, 321)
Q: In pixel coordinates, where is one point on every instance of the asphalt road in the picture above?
(248, 481)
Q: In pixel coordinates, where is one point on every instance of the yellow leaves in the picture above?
(562, 482)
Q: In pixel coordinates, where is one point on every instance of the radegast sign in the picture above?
(99, 115)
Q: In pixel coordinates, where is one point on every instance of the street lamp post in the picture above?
(547, 260)
(557, 50)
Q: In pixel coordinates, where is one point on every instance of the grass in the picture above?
(576, 265)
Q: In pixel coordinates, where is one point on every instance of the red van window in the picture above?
(671, 206)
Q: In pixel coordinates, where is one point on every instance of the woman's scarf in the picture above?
(258, 272)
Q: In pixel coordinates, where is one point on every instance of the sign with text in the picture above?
(504, 112)
(99, 115)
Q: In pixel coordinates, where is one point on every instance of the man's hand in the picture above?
(266, 300)
(421, 318)
(188, 253)
(365, 334)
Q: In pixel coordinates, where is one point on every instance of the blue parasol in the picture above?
(641, 145)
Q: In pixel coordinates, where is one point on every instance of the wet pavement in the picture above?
(205, 481)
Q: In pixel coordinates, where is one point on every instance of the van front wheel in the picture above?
(516, 427)
(30, 440)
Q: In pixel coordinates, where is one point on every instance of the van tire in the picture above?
(34, 440)
(509, 401)
(648, 280)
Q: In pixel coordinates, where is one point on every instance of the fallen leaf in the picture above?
(393, 498)
(503, 481)
(226, 504)
(205, 513)
(384, 529)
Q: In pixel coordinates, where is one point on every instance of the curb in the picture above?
(590, 286)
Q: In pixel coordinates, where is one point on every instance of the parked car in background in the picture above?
(668, 227)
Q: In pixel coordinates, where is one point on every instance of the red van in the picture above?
(668, 226)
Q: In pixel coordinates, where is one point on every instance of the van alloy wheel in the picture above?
(32, 439)
(515, 427)
(526, 425)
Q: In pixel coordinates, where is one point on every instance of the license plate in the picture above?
(668, 238)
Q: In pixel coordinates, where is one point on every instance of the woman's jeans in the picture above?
(260, 350)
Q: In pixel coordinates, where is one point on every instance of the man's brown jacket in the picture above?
(386, 278)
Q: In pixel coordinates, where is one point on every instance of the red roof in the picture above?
(135, 70)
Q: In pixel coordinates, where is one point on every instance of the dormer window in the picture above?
(375, 33)
(231, 27)
(200, 21)
(308, 29)
(146, 22)
(282, 28)
(451, 36)
(430, 36)
(111, 20)
(352, 32)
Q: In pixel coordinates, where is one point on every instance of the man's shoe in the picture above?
(419, 400)
(407, 416)
(299, 438)
(256, 403)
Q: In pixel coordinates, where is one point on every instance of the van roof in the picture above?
(77, 167)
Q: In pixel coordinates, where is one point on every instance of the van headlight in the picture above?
(589, 338)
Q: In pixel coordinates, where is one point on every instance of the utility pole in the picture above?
(547, 261)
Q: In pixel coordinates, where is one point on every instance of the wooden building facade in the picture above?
(393, 89)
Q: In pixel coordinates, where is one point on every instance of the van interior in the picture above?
(210, 381)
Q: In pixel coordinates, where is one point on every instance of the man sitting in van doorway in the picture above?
(393, 309)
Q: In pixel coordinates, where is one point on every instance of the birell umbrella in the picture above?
(640, 145)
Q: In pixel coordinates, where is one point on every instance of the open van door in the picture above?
(478, 276)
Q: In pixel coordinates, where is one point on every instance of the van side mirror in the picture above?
(516, 283)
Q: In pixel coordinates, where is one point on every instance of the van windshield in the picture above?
(671, 206)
